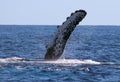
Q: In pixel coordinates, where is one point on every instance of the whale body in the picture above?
(56, 47)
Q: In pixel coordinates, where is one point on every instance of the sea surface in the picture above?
(92, 54)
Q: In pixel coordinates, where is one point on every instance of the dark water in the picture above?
(98, 43)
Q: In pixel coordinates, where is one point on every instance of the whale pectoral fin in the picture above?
(63, 33)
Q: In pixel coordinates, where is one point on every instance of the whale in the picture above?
(55, 48)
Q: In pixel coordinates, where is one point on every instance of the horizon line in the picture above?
(47, 25)
(58, 24)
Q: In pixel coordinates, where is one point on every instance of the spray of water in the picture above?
(59, 61)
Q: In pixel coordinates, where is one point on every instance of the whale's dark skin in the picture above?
(56, 47)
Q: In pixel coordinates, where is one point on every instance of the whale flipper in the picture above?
(56, 47)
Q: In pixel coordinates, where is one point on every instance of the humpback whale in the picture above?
(56, 47)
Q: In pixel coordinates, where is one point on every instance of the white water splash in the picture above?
(59, 61)
(72, 61)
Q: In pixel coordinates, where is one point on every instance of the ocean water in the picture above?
(92, 54)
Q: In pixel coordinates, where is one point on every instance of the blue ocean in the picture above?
(92, 54)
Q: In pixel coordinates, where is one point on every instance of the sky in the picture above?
(54, 12)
